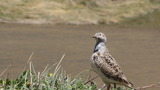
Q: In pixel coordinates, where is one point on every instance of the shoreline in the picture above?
(45, 22)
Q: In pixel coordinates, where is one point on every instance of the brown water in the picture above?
(137, 50)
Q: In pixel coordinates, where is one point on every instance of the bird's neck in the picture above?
(100, 47)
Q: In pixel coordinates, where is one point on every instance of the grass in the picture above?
(150, 20)
(75, 11)
(51, 78)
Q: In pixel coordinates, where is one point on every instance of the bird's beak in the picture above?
(94, 37)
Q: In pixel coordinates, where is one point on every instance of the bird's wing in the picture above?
(109, 67)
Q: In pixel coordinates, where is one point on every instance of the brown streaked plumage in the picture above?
(105, 65)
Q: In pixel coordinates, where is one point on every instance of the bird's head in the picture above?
(100, 37)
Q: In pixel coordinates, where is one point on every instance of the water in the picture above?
(137, 50)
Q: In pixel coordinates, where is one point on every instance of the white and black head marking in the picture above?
(100, 42)
(100, 37)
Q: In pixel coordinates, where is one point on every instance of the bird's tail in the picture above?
(130, 85)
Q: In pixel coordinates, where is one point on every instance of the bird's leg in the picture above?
(109, 86)
(115, 85)
(104, 85)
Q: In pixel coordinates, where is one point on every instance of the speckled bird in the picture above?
(105, 65)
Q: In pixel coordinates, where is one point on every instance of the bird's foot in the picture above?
(103, 87)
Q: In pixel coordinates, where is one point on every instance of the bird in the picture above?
(105, 65)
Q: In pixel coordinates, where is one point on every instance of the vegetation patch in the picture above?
(151, 20)
(51, 78)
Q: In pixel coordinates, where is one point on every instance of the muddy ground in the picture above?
(137, 50)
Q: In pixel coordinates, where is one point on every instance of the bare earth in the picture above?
(137, 50)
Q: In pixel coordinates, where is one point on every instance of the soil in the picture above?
(137, 50)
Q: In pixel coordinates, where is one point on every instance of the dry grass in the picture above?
(74, 11)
